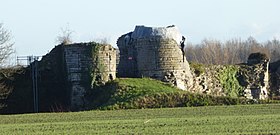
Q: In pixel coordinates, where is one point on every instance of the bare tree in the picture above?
(6, 46)
(65, 37)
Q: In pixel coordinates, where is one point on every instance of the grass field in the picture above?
(241, 119)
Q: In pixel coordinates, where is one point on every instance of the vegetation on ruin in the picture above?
(8, 81)
(198, 68)
(134, 93)
(228, 78)
(98, 67)
(241, 119)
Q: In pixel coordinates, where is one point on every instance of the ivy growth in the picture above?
(228, 79)
(97, 67)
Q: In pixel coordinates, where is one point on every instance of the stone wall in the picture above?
(250, 80)
(207, 80)
(127, 66)
(256, 80)
(78, 64)
(87, 63)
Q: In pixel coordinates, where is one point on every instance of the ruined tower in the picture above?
(87, 64)
(154, 52)
(80, 66)
(257, 76)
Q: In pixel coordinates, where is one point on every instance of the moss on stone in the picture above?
(228, 78)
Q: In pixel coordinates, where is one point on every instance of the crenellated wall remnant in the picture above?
(156, 53)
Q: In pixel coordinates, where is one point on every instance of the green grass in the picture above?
(129, 88)
(241, 119)
(136, 93)
(122, 92)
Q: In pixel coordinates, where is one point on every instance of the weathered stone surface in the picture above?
(156, 53)
(253, 79)
(169, 32)
(208, 82)
(79, 63)
(256, 76)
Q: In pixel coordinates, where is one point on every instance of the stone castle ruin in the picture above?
(155, 53)
(87, 64)
(68, 73)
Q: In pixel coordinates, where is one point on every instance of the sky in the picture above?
(36, 24)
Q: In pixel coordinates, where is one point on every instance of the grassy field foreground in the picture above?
(241, 119)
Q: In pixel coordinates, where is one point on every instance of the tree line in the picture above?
(233, 51)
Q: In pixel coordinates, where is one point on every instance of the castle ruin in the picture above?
(78, 66)
(88, 64)
(157, 52)
(68, 73)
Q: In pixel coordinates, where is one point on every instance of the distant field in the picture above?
(241, 119)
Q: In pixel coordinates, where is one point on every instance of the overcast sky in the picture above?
(35, 24)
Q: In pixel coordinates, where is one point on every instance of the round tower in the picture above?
(158, 54)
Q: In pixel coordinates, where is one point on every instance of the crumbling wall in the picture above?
(78, 64)
(64, 77)
(250, 80)
(127, 66)
(255, 76)
(104, 64)
(87, 64)
(206, 79)
(52, 85)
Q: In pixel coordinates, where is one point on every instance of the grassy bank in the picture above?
(240, 119)
(137, 93)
